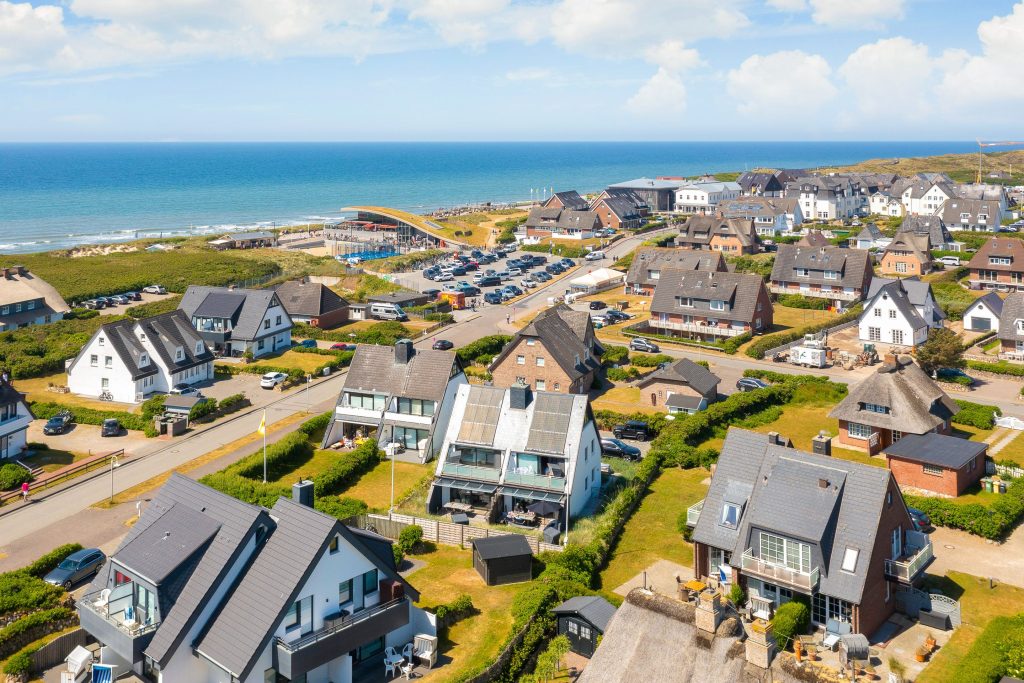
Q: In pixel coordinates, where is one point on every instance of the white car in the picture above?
(594, 256)
(528, 283)
(184, 390)
(515, 272)
(951, 261)
(444, 277)
(154, 289)
(272, 379)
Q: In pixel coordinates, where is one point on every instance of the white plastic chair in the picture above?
(103, 600)
(407, 652)
(390, 667)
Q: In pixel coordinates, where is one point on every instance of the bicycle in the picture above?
(106, 396)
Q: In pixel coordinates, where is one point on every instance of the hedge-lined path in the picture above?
(960, 551)
(60, 509)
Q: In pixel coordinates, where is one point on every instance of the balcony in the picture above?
(537, 481)
(336, 639)
(457, 469)
(1015, 356)
(918, 555)
(779, 574)
(108, 624)
(798, 288)
(714, 330)
(693, 513)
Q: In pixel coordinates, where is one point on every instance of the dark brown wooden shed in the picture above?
(503, 559)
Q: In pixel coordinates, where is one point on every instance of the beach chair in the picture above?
(834, 632)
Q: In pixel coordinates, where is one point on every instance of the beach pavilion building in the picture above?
(377, 227)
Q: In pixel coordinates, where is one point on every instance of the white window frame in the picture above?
(856, 430)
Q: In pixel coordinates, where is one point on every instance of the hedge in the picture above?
(21, 661)
(952, 299)
(251, 491)
(21, 591)
(347, 469)
(489, 345)
(652, 361)
(995, 653)
(460, 607)
(801, 301)
(731, 344)
(384, 333)
(764, 344)
(1000, 367)
(342, 507)
(609, 419)
(993, 521)
(621, 374)
(791, 619)
(976, 414)
(44, 410)
(316, 424)
(48, 562)
(615, 355)
(559, 249)
(283, 457)
(12, 476)
(43, 618)
(39, 350)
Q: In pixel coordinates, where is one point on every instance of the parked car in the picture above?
(922, 522)
(750, 384)
(185, 390)
(515, 272)
(134, 296)
(567, 263)
(305, 343)
(541, 276)
(342, 346)
(469, 290)
(513, 290)
(432, 293)
(641, 344)
(444, 277)
(59, 423)
(443, 345)
(598, 305)
(951, 261)
(272, 379)
(633, 429)
(537, 259)
(620, 449)
(120, 299)
(617, 315)
(110, 427)
(504, 275)
(528, 283)
(493, 297)
(490, 281)
(459, 271)
(599, 321)
(594, 256)
(554, 269)
(78, 566)
(154, 289)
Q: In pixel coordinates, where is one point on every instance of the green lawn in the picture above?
(52, 459)
(449, 573)
(1013, 451)
(374, 487)
(651, 533)
(979, 605)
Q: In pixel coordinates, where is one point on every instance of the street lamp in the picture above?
(113, 464)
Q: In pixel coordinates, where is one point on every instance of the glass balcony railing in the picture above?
(779, 574)
(693, 513)
(535, 480)
(457, 469)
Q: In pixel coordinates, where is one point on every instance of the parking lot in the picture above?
(146, 298)
(86, 439)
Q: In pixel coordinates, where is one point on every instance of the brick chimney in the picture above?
(822, 444)
(404, 351)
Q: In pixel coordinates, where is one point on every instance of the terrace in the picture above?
(917, 555)
(780, 574)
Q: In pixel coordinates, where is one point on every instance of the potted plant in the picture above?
(897, 668)
(921, 655)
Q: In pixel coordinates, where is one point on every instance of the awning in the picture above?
(463, 485)
(533, 495)
(365, 421)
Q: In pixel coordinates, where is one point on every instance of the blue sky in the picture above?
(100, 70)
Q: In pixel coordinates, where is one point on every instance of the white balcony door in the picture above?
(897, 542)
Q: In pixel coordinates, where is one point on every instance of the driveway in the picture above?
(86, 439)
(962, 552)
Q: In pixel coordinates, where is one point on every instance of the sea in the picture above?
(55, 196)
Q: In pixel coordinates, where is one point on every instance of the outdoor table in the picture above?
(459, 507)
(695, 585)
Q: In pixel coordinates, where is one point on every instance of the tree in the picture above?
(943, 349)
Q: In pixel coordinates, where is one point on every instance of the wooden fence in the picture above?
(57, 650)
(441, 532)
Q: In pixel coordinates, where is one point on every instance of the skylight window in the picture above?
(850, 559)
(730, 515)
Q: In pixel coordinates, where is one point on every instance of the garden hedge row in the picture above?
(559, 249)
(383, 333)
(20, 592)
(12, 476)
(998, 651)
(48, 562)
(1000, 367)
(47, 621)
(347, 469)
(490, 345)
(282, 457)
(992, 521)
(976, 414)
(609, 419)
(764, 344)
(44, 410)
(801, 301)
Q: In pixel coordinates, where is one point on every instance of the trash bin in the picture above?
(988, 484)
(1002, 486)
(327, 370)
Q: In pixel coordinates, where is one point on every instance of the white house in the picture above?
(233, 321)
(508, 450)
(899, 312)
(772, 216)
(402, 395)
(983, 314)
(705, 196)
(825, 197)
(15, 417)
(883, 204)
(26, 299)
(926, 197)
(208, 589)
(132, 359)
(976, 215)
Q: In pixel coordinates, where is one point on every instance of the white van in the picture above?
(387, 312)
(951, 261)
(594, 256)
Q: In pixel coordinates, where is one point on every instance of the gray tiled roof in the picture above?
(765, 181)
(685, 371)
(168, 332)
(869, 232)
(246, 318)
(893, 291)
(497, 547)
(853, 265)
(626, 193)
(593, 608)
(830, 503)
(937, 449)
(570, 199)
(376, 369)
(918, 244)
(9, 395)
(163, 545)
(916, 403)
(991, 300)
(812, 239)
(952, 208)
(928, 225)
(698, 230)
(1013, 310)
(657, 258)
(623, 207)
(308, 299)
(567, 335)
(128, 348)
(739, 291)
(562, 219)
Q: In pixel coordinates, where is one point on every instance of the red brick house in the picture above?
(784, 523)
(618, 213)
(734, 236)
(998, 264)
(312, 303)
(568, 199)
(936, 463)
(897, 400)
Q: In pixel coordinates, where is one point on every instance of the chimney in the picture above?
(892, 359)
(822, 444)
(773, 438)
(404, 351)
(822, 483)
(302, 492)
(760, 644)
(709, 612)
(518, 396)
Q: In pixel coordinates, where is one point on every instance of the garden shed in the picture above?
(503, 559)
(582, 620)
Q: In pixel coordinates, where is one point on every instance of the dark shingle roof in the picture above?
(10, 395)
(593, 608)
(893, 291)
(562, 219)
(308, 299)
(685, 371)
(937, 449)
(376, 369)
(646, 259)
(570, 199)
(1013, 310)
(698, 230)
(565, 334)
(851, 264)
(170, 331)
(161, 548)
(812, 239)
(496, 547)
(927, 225)
(1013, 248)
(739, 291)
(991, 300)
(246, 313)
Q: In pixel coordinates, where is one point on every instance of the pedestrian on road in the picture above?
(508, 319)
(24, 491)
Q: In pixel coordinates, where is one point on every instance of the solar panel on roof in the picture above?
(550, 423)
(480, 420)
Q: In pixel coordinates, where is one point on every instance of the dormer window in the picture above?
(802, 272)
(876, 408)
(143, 360)
(199, 348)
(685, 302)
(730, 515)
(179, 354)
(717, 305)
(831, 275)
(999, 260)
(142, 336)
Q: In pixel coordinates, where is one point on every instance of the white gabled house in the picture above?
(132, 359)
(233, 321)
(899, 312)
(983, 314)
(508, 450)
(208, 589)
(15, 417)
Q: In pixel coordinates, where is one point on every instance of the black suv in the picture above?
(632, 429)
(59, 423)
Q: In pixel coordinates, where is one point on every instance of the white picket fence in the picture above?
(1010, 422)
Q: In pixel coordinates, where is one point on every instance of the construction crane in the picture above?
(981, 152)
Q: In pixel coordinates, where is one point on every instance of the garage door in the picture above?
(981, 324)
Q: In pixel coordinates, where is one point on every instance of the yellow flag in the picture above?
(263, 425)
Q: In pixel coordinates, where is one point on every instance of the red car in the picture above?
(343, 347)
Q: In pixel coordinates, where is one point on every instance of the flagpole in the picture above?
(263, 431)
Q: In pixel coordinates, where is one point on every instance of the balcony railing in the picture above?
(794, 578)
(910, 567)
(693, 513)
(838, 294)
(539, 481)
(113, 612)
(457, 469)
(1016, 356)
(697, 327)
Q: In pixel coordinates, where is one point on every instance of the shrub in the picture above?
(608, 419)
(202, 409)
(460, 607)
(952, 299)
(342, 507)
(410, 537)
(21, 661)
(558, 249)
(154, 406)
(615, 355)
(737, 595)
(12, 476)
(801, 301)
(89, 416)
(316, 425)
(791, 619)
(230, 404)
(993, 521)
(621, 374)
(764, 344)
(42, 349)
(683, 527)
(21, 591)
(490, 345)
(282, 457)
(384, 333)
(48, 562)
(443, 318)
(1000, 368)
(651, 361)
(976, 414)
(749, 264)
(45, 618)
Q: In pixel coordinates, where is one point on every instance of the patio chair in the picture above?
(407, 652)
(102, 600)
(390, 667)
(834, 631)
(129, 618)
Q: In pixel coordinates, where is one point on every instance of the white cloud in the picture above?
(29, 34)
(788, 5)
(462, 22)
(664, 94)
(996, 73)
(895, 76)
(856, 13)
(781, 82)
(673, 55)
(530, 73)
